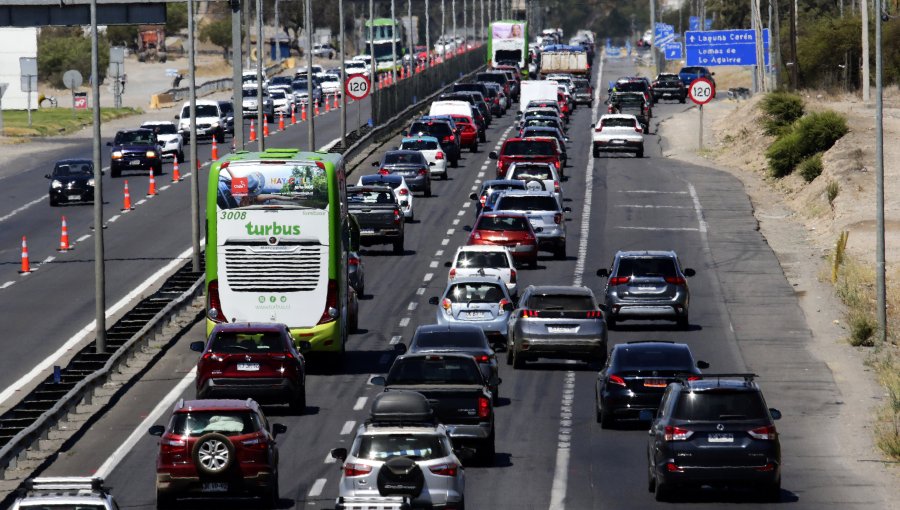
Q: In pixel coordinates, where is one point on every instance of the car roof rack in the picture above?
(64, 486)
(401, 408)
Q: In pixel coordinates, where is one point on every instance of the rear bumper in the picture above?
(640, 311)
(263, 390)
(736, 475)
(466, 432)
(380, 237)
(562, 347)
(238, 483)
(626, 146)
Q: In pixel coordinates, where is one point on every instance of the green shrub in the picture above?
(784, 154)
(820, 130)
(831, 191)
(862, 329)
(811, 167)
(781, 109)
(62, 48)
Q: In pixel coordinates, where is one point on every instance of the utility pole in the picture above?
(373, 70)
(249, 31)
(453, 10)
(99, 256)
(759, 70)
(653, 33)
(195, 171)
(260, 115)
(236, 74)
(427, 34)
(482, 31)
(410, 38)
(774, 43)
(343, 75)
(880, 280)
(795, 66)
(864, 12)
(443, 33)
(310, 110)
(394, 29)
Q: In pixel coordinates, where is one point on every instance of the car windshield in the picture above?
(419, 145)
(403, 158)
(455, 339)
(618, 122)
(528, 148)
(382, 180)
(648, 357)
(536, 131)
(300, 86)
(560, 302)
(226, 108)
(162, 129)
(434, 370)
(277, 94)
(529, 173)
(527, 203)
(502, 223)
(229, 423)
(719, 405)
(481, 259)
(72, 169)
(370, 197)
(250, 93)
(275, 184)
(329, 77)
(475, 292)
(134, 138)
(541, 123)
(543, 112)
(691, 70)
(228, 342)
(386, 446)
(203, 110)
(582, 85)
(646, 266)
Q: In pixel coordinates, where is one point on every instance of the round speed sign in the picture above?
(701, 91)
(357, 86)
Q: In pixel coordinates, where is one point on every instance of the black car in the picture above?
(442, 129)
(227, 108)
(481, 88)
(714, 431)
(500, 78)
(491, 186)
(635, 376)
(411, 165)
(135, 149)
(72, 180)
(669, 86)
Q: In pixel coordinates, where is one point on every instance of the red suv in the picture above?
(468, 134)
(252, 360)
(217, 448)
(512, 230)
(536, 150)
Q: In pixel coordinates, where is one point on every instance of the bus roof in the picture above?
(381, 22)
(285, 154)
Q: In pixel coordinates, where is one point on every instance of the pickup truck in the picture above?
(632, 103)
(618, 133)
(455, 387)
(669, 86)
(379, 216)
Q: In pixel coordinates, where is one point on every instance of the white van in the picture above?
(451, 108)
(537, 90)
(210, 120)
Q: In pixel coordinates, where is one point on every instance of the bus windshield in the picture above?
(279, 185)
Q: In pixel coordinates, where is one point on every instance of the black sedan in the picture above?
(72, 180)
(636, 375)
(135, 149)
(412, 165)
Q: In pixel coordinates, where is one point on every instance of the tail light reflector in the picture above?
(353, 261)
(446, 304)
(503, 302)
(383, 171)
(483, 199)
(694, 378)
(768, 467)
(767, 433)
(673, 433)
(351, 469)
(453, 273)
(444, 469)
(484, 358)
(396, 216)
(556, 186)
(172, 445)
(598, 130)
(672, 468)
(675, 280)
(476, 235)
(637, 129)
(557, 218)
(256, 443)
(556, 163)
(512, 276)
(403, 192)
(619, 280)
(617, 380)
(484, 407)
(214, 304)
(331, 302)
(594, 314)
(422, 171)
(529, 313)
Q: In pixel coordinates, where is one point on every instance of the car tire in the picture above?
(213, 443)
(509, 355)
(560, 252)
(482, 137)
(445, 176)
(596, 153)
(115, 173)
(298, 403)
(487, 450)
(651, 482)
(663, 492)
(180, 156)
(772, 492)
(164, 500)
(474, 147)
(684, 322)
(54, 202)
(454, 162)
(273, 497)
(398, 247)
(533, 264)
(639, 154)
(606, 420)
(610, 323)
(682, 100)
(518, 361)
(428, 190)
(220, 136)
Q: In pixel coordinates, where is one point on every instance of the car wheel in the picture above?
(474, 147)
(684, 322)
(53, 202)
(596, 153)
(663, 492)
(298, 403)
(487, 450)
(532, 264)
(509, 355)
(398, 247)
(482, 137)
(495, 394)
(180, 156)
(682, 100)
(772, 492)
(445, 176)
(220, 136)
(610, 323)
(651, 482)
(560, 252)
(639, 154)
(454, 162)
(606, 420)
(273, 498)
(518, 361)
(115, 173)
(164, 500)
(213, 454)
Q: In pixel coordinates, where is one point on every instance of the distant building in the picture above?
(14, 44)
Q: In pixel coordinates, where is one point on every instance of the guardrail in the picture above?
(176, 95)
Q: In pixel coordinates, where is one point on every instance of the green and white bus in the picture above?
(508, 44)
(277, 240)
(385, 32)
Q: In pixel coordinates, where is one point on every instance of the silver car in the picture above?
(401, 457)
(557, 322)
(647, 285)
(481, 301)
(543, 211)
(64, 492)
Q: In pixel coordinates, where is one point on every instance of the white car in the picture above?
(616, 132)
(301, 71)
(210, 120)
(365, 59)
(280, 101)
(430, 147)
(483, 260)
(352, 67)
(402, 192)
(331, 85)
(64, 492)
(537, 177)
(169, 138)
(445, 44)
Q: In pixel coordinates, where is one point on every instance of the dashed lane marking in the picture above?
(348, 427)
(7, 284)
(83, 238)
(455, 221)
(439, 253)
(396, 339)
(461, 213)
(635, 206)
(420, 291)
(412, 306)
(451, 231)
(317, 487)
(112, 219)
(22, 208)
(428, 277)
(445, 242)
(48, 260)
(466, 204)
(656, 192)
(433, 264)
(404, 322)
(360, 403)
(167, 186)
(141, 201)
(697, 208)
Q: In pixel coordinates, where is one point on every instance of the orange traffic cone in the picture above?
(327, 104)
(316, 113)
(26, 265)
(303, 112)
(233, 146)
(281, 122)
(176, 175)
(252, 131)
(265, 128)
(293, 115)
(126, 204)
(215, 150)
(151, 189)
(337, 103)
(64, 237)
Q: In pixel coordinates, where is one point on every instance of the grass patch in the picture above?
(811, 167)
(57, 121)
(780, 109)
(887, 430)
(862, 328)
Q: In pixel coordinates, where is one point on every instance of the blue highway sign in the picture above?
(724, 48)
(694, 23)
(673, 51)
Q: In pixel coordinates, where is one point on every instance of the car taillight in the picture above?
(211, 356)
(445, 304)
(256, 443)
(351, 469)
(214, 304)
(556, 163)
(675, 280)
(619, 280)
(484, 358)
(556, 186)
(449, 138)
(353, 261)
(767, 433)
(396, 216)
(617, 380)
(444, 469)
(594, 314)
(422, 171)
(557, 218)
(598, 130)
(439, 155)
(694, 378)
(610, 109)
(383, 171)
(483, 199)
(503, 302)
(512, 276)
(673, 433)
(484, 407)
(331, 302)
(671, 467)
(403, 192)
(476, 235)
(172, 445)
(529, 313)
(453, 273)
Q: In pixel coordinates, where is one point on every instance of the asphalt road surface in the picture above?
(550, 452)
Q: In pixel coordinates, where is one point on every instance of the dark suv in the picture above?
(135, 149)
(715, 430)
(442, 129)
(216, 448)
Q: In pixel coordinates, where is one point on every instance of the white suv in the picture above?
(484, 260)
(65, 493)
(210, 120)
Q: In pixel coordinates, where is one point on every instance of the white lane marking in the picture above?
(466, 204)
(480, 176)
(22, 208)
(83, 238)
(404, 322)
(140, 431)
(656, 192)
(697, 208)
(48, 260)
(450, 231)
(112, 219)
(184, 176)
(661, 229)
(360, 403)
(141, 201)
(167, 186)
(412, 306)
(439, 253)
(474, 187)
(461, 213)
(40, 370)
(445, 242)
(317, 487)
(396, 339)
(433, 264)
(420, 291)
(635, 206)
(456, 221)
(428, 277)
(7, 284)
(348, 427)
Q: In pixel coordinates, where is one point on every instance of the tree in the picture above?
(217, 32)
(122, 35)
(61, 49)
(176, 18)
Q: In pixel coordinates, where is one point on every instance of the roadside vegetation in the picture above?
(56, 121)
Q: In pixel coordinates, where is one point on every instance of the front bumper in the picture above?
(134, 163)
(85, 194)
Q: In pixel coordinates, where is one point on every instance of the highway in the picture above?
(551, 453)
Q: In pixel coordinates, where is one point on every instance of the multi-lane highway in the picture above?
(551, 453)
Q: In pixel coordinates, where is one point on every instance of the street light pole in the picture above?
(260, 115)
(236, 76)
(653, 33)
(195, 171)
(427, 34)
(99, 256)
(880, 279)
(373, 71)
(864, 12)
(343, 75)
(277, 39)
(443, 33)
(394, 30)
(310, 110)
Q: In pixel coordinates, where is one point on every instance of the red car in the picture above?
(512, 230)
(537, 150)
(217, 448)
(563, 104)
(252, 360)
(468, 133)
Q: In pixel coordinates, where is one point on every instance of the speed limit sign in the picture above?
(701, 91)
(357, 86)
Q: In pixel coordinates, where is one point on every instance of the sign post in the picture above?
(3, 87)
(72, 80)
(117, 70)
(357, 87)
(701, 91)
(28, 71)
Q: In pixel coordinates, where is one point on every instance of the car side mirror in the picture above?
(400, 349)
(508, 307)
(197, 346)
(493, 155)
(689, 272)
(702, 365)
(465, 453)
(538, 230)
(433, 300)
(448, 264)
(603, 272)
(177, 117)
(467, 228)
(567, 139)
(404, 133)
(378, 380)
(278, 428)
(472, 195)
(712, 74)
(46, 176)
(776, 414)
(156, 430)
(645, 415)
(304, 346)
(375, 163)
(339, 454)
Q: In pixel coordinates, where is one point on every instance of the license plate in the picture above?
(135, 162)
(720, 438)
(214, 487)
(646, 287)
(655, 383)
(367, 231)
(561, 329)
(74, 197)
(248, 367)
(618, 142)
(476, 315)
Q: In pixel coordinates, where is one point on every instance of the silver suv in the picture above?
(544, 212)
(64, 492)
(647, 285)
(401, 458)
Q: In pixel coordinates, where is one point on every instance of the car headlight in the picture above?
(117, 155)
(214, 125)
(55, 184)
(90, 182)
(151, 154)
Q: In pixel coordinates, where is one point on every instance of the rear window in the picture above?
(560, 302)
(537, 133)
(403, 158)
(381, 180)
(527, 203)
(438, 129)
(229, 423)
(618, 122)
(691, 70)
(529, 148)
(655, 358)
(541, 123)
(420, 145)
(415, 446)
(162, 129)
(370, 197)
(475, 292)
(646, 266)
(719, 405)
(463, 339)
(227, 342)
(628, 99)
(134, 138)
(531, 173)
(631, 86)
(479, 259)
(502, 223)
(70, 169)
(434, 370)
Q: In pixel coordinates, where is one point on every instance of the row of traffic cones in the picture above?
(64, 246)
(328, 102)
